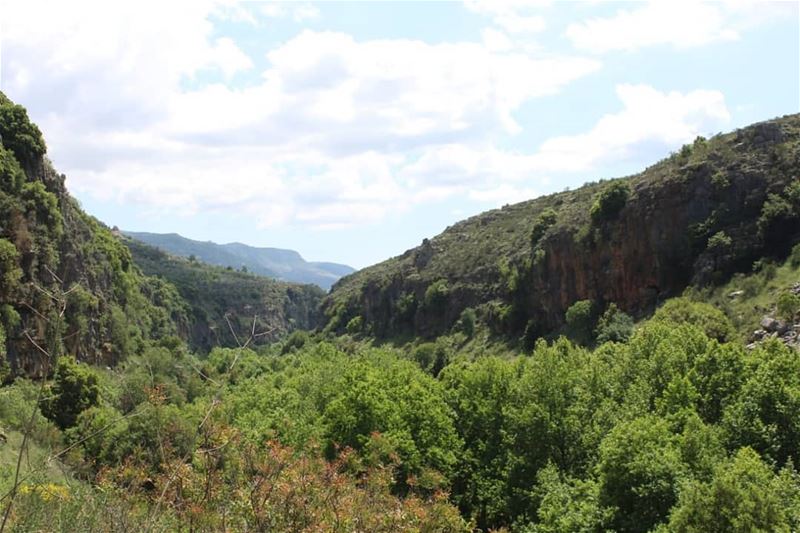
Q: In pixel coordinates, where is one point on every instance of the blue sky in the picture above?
(349, 131)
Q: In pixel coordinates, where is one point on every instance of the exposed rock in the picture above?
(735, 294)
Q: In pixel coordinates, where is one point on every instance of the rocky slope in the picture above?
(693, 218)
(286, 265)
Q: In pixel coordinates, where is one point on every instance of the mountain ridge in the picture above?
(694, 218)
(279, 263)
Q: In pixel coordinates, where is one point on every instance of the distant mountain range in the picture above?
(278, 263)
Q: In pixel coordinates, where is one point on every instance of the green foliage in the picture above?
(794, 257)
(744, 496)
(639, 471)
(719, 243)
(567, 504)
(19, 134)
(467, 321)
(613, 326)
(788, 305)
(780, 216)
(610, 201)
(75, 389)
(436, 295)
(355, 325)
(684, 311)
(580, 321)
(763, 415)
(543, 222)
(295, 341)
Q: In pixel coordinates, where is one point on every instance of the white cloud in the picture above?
(660, 22)
(648, 116)
(336, 131)
(514, 16)
(323, 139)
(299, 12)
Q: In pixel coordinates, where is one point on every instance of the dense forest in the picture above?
(455, 388)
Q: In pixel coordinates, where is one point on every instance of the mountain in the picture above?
(286, 265)
(69, 285)
(694, 218)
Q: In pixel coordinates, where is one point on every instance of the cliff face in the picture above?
(694, 218)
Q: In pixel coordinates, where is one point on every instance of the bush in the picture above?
(19, 134)
(788, 305)
(711, 320)
(296, 340)
(543, 222)
(75, 388)
(794, 257)
(580, 319)
(467, 321)
(610, 201)
(719, 242)
(436, 295)
(355, 325)
(614, 326)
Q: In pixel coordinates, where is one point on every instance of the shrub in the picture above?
(296, 340)
(794, 257)
(543, 222)
(711, 320)
(355, 325)
(19, 134)
(614, 326)
(610, 201)
(467, 321)
(788, 305)
(436, 295)
(719, 242)
(580, 318)
(75, 388)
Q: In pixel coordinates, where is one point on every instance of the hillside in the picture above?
(213, 293)
(68, 285)
(692, 219)
(286, 265)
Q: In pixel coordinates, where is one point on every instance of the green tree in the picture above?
(610, 201)
(467, 321)
(19, 134)
(75, 388)
(638, 471)
(743, 497)
(580, 321)
(614, 325)
(544, 221)
(707, 317)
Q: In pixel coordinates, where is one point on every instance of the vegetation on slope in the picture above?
(66, 284)
(700, 215)
(222, 303)
(669, 431)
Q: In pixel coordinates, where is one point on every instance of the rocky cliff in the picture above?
(696, 217)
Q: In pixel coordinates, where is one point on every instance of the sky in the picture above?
(350, 131)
